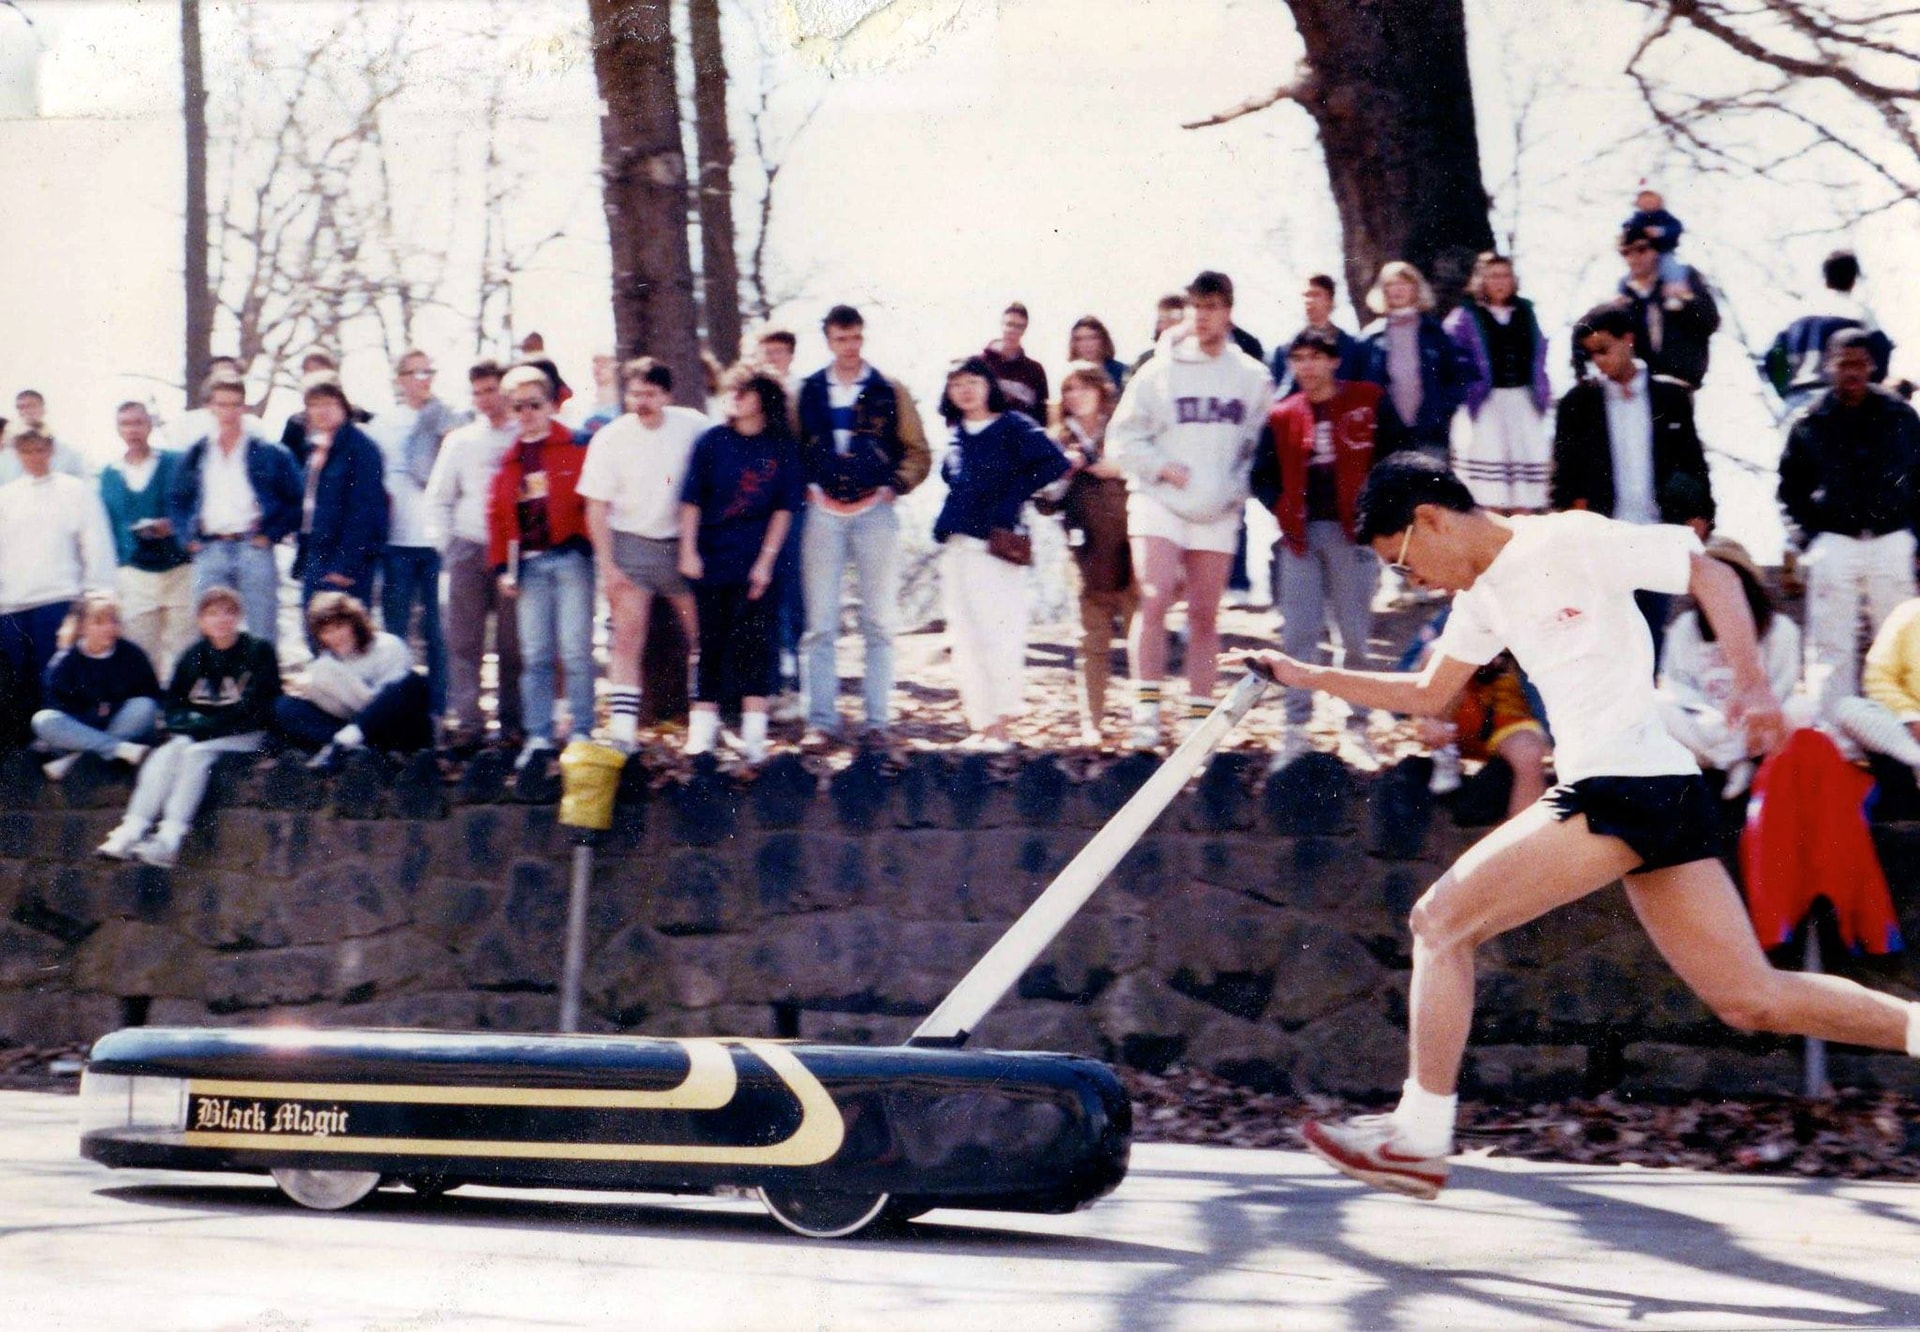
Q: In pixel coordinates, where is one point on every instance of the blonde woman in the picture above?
(1423, 371)
(1092, 502)
(101, 693)
(1500, 448)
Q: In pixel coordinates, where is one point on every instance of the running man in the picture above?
(1557, 590)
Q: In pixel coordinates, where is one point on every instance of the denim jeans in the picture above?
(871, 541)
(788, 592)
(28, 640)
(133, 720)
(555, 618)
(1333, 582)
(410, 576)
(249, 570)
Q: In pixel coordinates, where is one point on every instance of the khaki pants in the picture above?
(1100, 612)
(156, 610)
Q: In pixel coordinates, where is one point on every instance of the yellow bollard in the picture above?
(589, 776)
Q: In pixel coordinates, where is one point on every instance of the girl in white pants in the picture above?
(995, 462)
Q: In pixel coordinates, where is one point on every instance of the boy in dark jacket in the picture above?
(861, 447)
(220, 702)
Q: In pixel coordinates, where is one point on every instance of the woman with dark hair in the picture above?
(995, 461)
(1502, 450)
(361, 688)
(1410, 355)
(1093, 504)
(343, 510)
(1089, 341)
(742, 488)
(1696, 682)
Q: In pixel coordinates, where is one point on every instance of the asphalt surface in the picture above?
(1197, 1237)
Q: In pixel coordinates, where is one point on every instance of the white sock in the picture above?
(1425, 1120)
(703, 728)
(1913, 1030)
(753, 732)
(349, 735)
(623, 714)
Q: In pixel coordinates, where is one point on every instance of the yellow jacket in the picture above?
(1892, 676)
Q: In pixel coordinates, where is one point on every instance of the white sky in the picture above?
(965, 153)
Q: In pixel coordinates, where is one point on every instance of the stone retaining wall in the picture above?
(1259, 930)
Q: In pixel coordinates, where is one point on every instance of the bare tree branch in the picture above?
(1291, 91)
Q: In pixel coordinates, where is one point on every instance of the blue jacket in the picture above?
(1796, 362)
(349, 524)
(276, 486)
(886, 448)
(1356, 359)
(991, 475)
(1445, 372)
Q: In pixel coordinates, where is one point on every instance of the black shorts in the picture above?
(1667, 821)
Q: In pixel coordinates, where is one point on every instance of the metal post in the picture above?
(574, 969)
(1815, 1081)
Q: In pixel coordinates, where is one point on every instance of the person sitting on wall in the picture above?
(101, 693)
(361, 688)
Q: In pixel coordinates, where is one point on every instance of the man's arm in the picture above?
(1428, 692)
(916, 458)
(1716, 590)
(1566, 490)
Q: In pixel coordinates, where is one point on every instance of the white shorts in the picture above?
(1147, 516)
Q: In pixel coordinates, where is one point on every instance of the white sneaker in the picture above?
(130, 753)
(1368, 1148)
(1446, 777)
(60, 767)
(1145, 733)
(703, 728)
(120, 842)
(161, 850)
(535, 749)
(1291, 748)
(787, 707)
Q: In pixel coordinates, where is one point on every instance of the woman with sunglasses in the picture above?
(538, 544)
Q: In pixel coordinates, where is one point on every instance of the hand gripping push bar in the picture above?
(992, 976)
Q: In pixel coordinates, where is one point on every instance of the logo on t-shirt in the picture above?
(1209, 411)
(1568, 616)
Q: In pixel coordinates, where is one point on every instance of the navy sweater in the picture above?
(91, 689)
(990, 475)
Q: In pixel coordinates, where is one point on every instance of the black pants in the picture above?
(395, 718)
(738, 655)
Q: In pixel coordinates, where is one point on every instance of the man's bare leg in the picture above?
(1156, 570)
(629, 605)
(1523, 869)
(1694, 916)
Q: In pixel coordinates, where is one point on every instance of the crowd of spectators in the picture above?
(140, 608)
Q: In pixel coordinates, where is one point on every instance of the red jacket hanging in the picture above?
(1806, 838)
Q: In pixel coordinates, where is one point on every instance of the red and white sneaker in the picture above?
(1365, 1147)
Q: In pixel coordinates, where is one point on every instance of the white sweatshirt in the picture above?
(1205, 412)
(344, 685)
(1694, 673)
(54, 541)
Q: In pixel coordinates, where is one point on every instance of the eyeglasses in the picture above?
(528, 404)
(418, 374)
(1399, 564)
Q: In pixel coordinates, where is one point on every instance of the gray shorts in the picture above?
(651, 562)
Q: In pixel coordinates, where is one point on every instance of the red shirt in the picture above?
(1354, 410)
(560, 462)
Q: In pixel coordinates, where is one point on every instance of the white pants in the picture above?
(173, 780)
(157, 612)
(1844, 573)
(986, 603)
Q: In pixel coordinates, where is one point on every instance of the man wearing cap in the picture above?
(1796, 362)
(1847, 483)
(1673, 321)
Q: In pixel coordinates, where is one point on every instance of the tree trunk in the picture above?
(719, 259)
(199, 291)
(1387, 83)
(644, 187)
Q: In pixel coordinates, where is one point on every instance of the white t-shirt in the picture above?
(1559, 596)
(639, 471)
(228, 506)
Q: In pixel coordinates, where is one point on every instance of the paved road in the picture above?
(1196, 1238)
